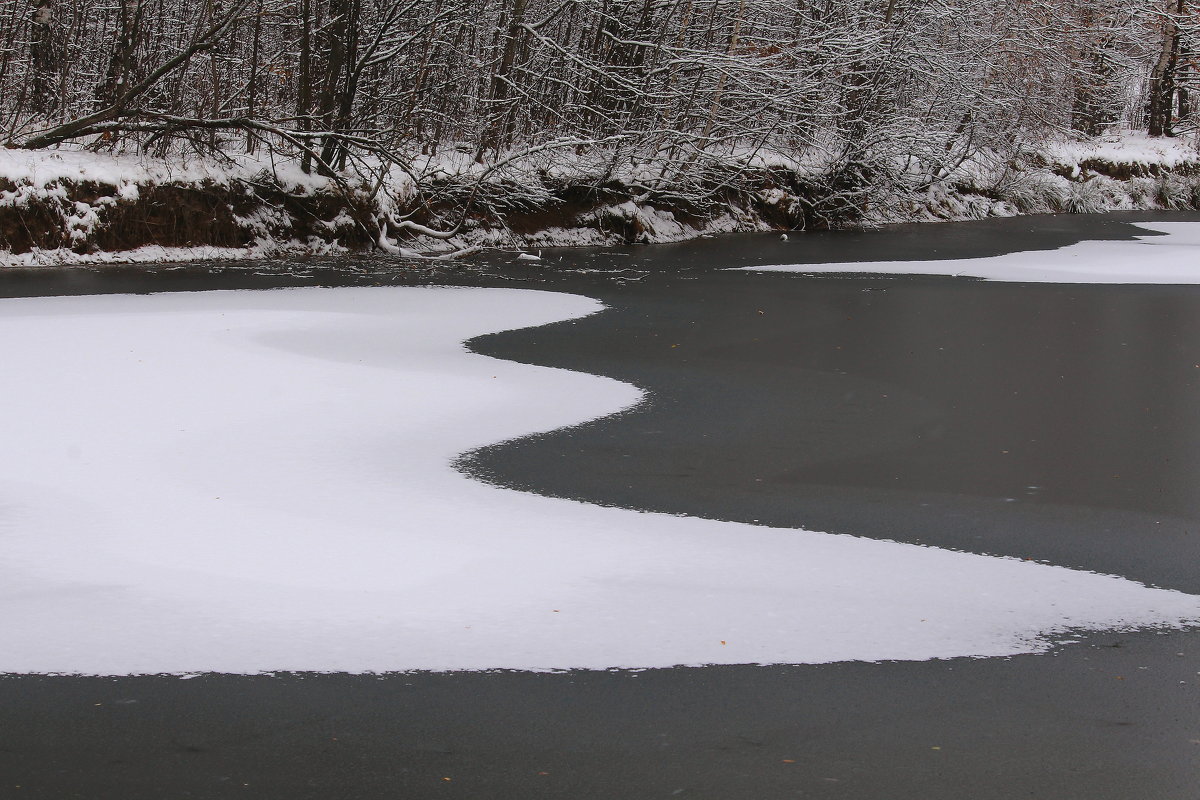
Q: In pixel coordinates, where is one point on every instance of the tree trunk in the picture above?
(499, 129)
(339, 45)
(1161, 101)
(304, 78)
(120, 65)
(44, 57)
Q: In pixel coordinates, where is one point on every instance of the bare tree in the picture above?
(683, 101)
(45, 55)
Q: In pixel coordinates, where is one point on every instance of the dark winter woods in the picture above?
(679, 98)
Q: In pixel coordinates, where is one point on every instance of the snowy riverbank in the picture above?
(77, 207)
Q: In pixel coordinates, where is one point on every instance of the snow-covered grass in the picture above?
(256, 481)
(1171, 259)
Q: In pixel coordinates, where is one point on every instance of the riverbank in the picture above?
(77, 207)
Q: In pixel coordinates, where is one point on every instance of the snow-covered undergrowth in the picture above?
(1171, 259)
(1122, 172)
(255, 481)
(72, 206)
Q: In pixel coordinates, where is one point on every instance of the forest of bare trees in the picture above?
(679, 98)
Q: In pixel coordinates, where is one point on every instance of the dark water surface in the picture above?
(1049, 422)
(1052, 422)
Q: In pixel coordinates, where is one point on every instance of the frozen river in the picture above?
(1043, 422)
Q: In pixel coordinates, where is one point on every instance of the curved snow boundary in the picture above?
(243, 482)
(1170, 259)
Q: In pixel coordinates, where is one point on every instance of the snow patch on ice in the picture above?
(254, 481)
(1170, 259)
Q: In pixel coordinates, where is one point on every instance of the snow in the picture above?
(256, 481)
(1158, 173)
(1170, 259)
(43, 168)
(157, 254)
(1125, 147)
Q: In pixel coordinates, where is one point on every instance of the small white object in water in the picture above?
(783, 237)
(528, 257)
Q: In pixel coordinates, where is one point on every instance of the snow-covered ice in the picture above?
(1170, 259)
(257, 481)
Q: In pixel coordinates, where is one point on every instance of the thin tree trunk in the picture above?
(304, 79)
(44, 56)
(1162, 80)
(500, 126)
(252, 85)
